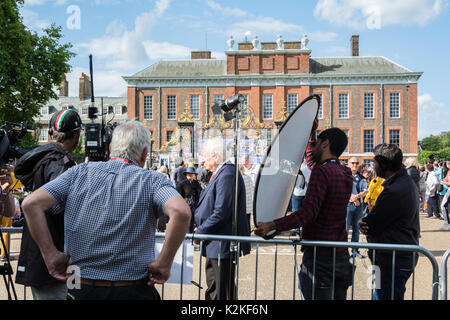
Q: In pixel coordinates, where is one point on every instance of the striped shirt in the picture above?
(324, 211)
(110, 217)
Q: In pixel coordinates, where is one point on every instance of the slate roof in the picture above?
(355, 65)
(319, 66)
(185, 68)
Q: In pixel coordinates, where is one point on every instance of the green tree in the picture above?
(445, 140)
(31, 65)
(431, 143)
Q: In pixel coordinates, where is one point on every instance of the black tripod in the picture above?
(6, 271)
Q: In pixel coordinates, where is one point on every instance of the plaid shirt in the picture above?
(324, 211)
(110, 217)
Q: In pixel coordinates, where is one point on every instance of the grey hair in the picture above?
(129, 140)
(215, 146)
(410, 162)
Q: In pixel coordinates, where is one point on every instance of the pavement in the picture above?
(257, 271)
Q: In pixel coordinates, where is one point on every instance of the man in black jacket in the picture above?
(394, 219)
(34, 169)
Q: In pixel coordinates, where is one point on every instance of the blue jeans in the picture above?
(296, 202)
(354, 214)
(385, 290)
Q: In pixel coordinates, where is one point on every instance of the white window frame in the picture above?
(194, 105)
(85, 110)
(391, 110)
(45, 110)
(368, 105)
(292, 102)
(267, 106)
(244, 113)
(171, 115)
(118, 110)
(365, 142)
(397, 131)
(343, 109)
(147, 108)
(217, 97)
(43, 135)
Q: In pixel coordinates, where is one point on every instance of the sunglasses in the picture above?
(354, 162)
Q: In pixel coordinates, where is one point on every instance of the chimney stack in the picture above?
(64, 88)
(85, 87)
(354, 44)
(200, 54)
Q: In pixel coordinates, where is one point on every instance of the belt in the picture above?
(107, 283)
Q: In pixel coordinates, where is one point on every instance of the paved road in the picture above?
(262, 286)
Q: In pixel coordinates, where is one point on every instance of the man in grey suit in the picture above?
(214, 215)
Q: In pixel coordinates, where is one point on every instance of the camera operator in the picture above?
(34, 169)
(7, 206)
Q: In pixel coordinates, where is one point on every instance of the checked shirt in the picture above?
(110, 217)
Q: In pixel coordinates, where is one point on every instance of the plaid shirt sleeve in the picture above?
(308, 155)
(59, 188)
(314, 198)
(163, 191)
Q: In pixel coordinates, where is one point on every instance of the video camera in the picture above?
(97, 135)
(10, 135)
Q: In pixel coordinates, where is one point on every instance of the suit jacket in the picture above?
(214, 213)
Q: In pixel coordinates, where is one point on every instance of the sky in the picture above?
(127, 36)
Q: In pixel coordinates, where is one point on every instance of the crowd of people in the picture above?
(107, 229)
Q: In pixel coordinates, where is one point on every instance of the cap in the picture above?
(190, 170)
(65, 121)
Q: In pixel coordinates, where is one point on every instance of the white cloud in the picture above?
(264, 25)
(34, 2)
(226, 11)
(375, 14)
(321, 36)
(159, 50)
(128, 50)
(432, 116)
(60, 2)
(106, 82)
(32, 21)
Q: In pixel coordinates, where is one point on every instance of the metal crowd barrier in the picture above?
(444, 275)
(294, 242)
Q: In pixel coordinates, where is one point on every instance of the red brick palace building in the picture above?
(372, 98)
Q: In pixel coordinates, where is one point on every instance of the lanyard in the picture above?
(330, 160)
(125, 160)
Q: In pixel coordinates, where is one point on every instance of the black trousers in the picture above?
(323, 276)
(134, 292)
(220, 281)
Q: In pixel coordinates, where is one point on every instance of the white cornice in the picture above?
(274, 79)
